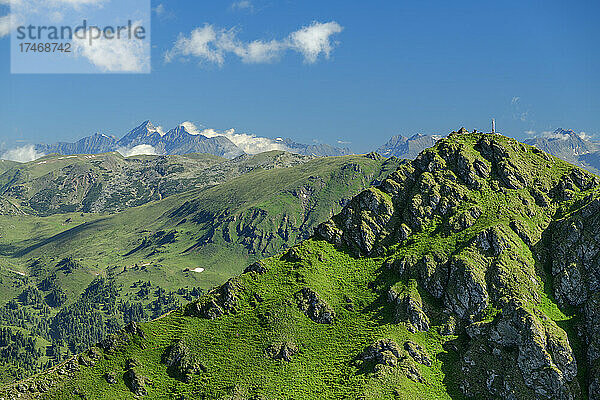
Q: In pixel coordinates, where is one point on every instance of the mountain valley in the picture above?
(148, 259)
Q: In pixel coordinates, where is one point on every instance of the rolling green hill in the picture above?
(108, 183)
(470, 272)
(70, 279)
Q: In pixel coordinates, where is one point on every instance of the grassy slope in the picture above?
(31, 247)
(101, 241)
(233, 349)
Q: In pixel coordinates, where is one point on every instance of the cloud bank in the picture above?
(22, 154)
(560, 134)
(250, 144)
(139, 150)
(5, 25)
(211, 45)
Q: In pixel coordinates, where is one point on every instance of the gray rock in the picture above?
(409, 309)
(384, 351)
(282, 351)
(135, 382)
(216, 303)
(314, 307)
(181, 362)
(417, 353)
(257, 267)
(466, 292)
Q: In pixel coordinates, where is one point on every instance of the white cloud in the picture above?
(5, 25)
(142, 149)
(115, 55)
(160, 9)
(260, 52)
(242, 5)
(211, 45)
(314, 40)
(530, 132)
(584, 136)
(515, 100)
(79, 2)
(555, 135)
(250, 144)
(190, 127)
(203, 43)
(22, 154)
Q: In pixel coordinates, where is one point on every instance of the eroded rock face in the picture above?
(576, 269)
(384, 351)
(409, 309)
(362, 221)
(536, 352)
(257, 267)
(417, 353)
(386, 355)
(314, 307)
(466, 293)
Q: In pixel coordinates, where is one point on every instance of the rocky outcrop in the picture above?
(314, 307)
(418, 353)
(466, 292)
(257, 267)
(135, 382)
(134, 329)
(383, 352)
(282, 351)
(181, 362)
(218, 302)
(385, 355)
(409, 307)
(450, 191)
(361, 222)
(576, 270)
(534, 351)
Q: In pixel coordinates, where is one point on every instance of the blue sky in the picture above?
(396, 67)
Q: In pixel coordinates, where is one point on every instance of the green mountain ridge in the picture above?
(109, 183)
(470, 272)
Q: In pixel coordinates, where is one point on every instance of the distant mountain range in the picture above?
(571, 147)
(178, 141)
(563, 143)
(403, 147)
